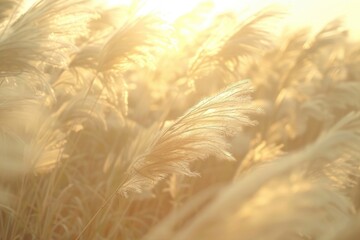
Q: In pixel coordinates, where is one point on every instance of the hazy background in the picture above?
(310, 12)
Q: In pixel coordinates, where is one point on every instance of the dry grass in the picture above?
(117, 125)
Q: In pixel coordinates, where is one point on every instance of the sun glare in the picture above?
(169, 9)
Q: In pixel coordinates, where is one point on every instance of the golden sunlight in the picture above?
(169, 10)
(180, 119)
(113, 3)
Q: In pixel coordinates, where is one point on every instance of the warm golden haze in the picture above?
(300, 12)
(169, 10)
(178, 120)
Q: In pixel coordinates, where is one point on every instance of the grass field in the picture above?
(117, 123)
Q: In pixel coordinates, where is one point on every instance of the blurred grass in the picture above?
(116, 124)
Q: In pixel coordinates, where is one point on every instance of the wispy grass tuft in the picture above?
(199, 133)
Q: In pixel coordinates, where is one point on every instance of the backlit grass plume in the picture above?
(228, 49)
(96, 101)
(313, 208)
(44, 34)
(242, 209)
(201, 132)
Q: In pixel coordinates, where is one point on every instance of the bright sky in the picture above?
(311, 12)
(318, 13)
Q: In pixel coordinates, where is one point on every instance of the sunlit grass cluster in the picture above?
(116, 124)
